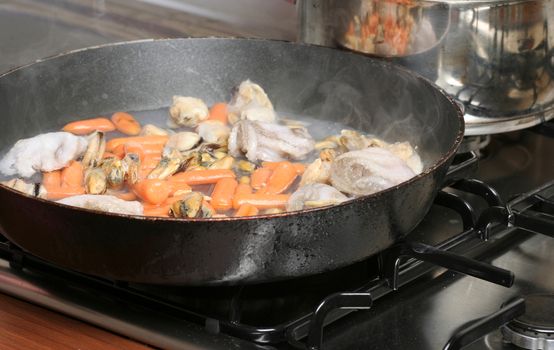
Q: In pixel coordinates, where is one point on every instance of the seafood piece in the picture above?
(150, 129)
(132, 162)
(188, 111)
(214, 131)
(116, 171)
(96, 181)
(223, 163)
(269, 142)
(353, 140)
(110, 204)
(314, 195)
(246, 166)
(328, 154)
(167, 166)
(45, 152)
(368, 171)
(405, 151)
(182, 141)
(191, 206)
(258, 113)
(95, 150)
(32, 189)
(250, 101)
(317, 172)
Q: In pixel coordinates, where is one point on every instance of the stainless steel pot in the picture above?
(494, 57)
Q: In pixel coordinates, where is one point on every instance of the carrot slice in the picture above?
(202, 177)
(219, 112)
(126, 196)
(126, 123)
(87, 126)
(300, 168)
(243, 189)
(246, 210)
(179, 188)
(144, 140)
(52, 179)
(153, 191)
(222, 195)
(259, 177)
(57, 193)
(261, 201)
(161, 211)
(283, 176)
(73, 175)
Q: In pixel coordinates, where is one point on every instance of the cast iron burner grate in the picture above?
(287, 308)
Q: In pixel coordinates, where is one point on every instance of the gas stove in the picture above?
(501, 214)
(497, 211)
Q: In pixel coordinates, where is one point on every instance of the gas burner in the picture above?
(534, 329)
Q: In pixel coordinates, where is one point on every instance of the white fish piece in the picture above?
(214, 131)
(258, 114)
(187, 111)
(269, 142)
(368, 171)
(44, 152)
(406, 152)
(250, 101)
(107, 203)
(314, 195)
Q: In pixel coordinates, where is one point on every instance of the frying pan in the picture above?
(324, 83)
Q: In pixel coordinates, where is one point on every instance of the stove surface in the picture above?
(422, 314)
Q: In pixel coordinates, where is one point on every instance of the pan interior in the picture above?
(315, 82)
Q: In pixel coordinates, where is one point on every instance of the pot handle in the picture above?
(477, 329)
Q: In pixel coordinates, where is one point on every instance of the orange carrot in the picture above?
(72, 175)
(219, 112)
(162, 211)
(243, 189)
(222, 195)
(153, 191)
(143, 140)
(178, 188)
(300, 168)
(261, 201)
(52, 179)
(259, 177)
(283, 176)
(202, 177)
(125, 123)
(149, 162)
(57, 193)
(126, 196)
(134, 147)
(87, 126)
(246, 210)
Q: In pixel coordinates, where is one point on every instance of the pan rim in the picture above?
(445, 157)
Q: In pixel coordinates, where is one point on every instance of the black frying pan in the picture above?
(329, 84)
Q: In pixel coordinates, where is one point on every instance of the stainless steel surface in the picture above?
(494, 57)
(531, 341)
(117, 315)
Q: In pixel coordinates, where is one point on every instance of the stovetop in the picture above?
(430, 305)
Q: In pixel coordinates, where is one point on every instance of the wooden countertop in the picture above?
(30, 327)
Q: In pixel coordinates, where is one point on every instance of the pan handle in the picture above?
(459, 263)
